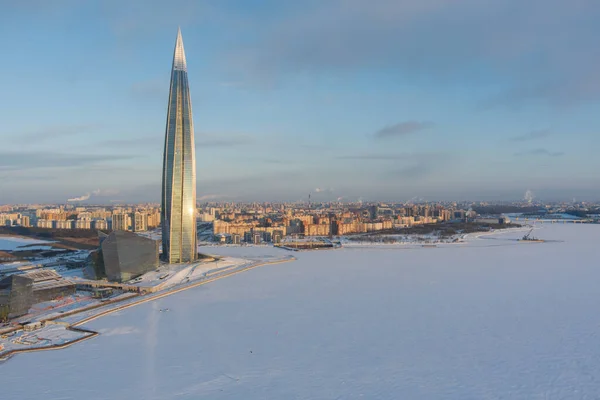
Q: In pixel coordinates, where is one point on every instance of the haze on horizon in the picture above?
(379, 100)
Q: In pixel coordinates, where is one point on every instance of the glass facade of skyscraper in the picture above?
(178, 213)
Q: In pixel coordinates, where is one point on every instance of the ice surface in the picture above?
(13, 242)
(490, 319)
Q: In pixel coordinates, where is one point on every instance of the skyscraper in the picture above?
(178, 211)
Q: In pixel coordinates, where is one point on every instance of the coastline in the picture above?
(75, 326)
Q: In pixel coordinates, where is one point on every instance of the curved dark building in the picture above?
(178, 211)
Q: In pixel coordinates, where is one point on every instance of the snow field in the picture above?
(491, 319)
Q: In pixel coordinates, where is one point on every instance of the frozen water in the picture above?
(13, 242)
(491, 319)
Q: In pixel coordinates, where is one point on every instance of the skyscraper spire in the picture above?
(179, 54)
(178, 204)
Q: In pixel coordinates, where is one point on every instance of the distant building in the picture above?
(491, 220)
(140, 222)
(19, 292)
(295, 227)
(23, 221)
(222, 238)
(126, 255)
(267, 236)
(256, 236)
(153, 220)
(120, 222)
(49, 285)
(100, 224)
(235, 238)
(317, 229)
(62, 224)
(459, 214)
(83, 224)
(16, 295)
(277, 236)
(44, 223)
(372, 212)
(206, 217)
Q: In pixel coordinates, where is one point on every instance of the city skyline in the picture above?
(178, 202)
(385, 100)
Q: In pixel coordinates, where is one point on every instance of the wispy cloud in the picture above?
(414, 171)
(276, 161)
(382, 156)
(208, 197)
(80, 198)
(139, 18)
(94, 193)
(201, 139)
(54, 131)
(224, 140)
(540, 152)
(401, 129)
(151, 140)
(32, 160)
(409, 166)
(536, 63)
(533, 135)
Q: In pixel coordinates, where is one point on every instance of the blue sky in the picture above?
(380, 100)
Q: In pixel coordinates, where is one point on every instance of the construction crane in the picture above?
(527, 236)
(530, 239)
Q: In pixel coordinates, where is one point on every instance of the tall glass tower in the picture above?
(178, 211)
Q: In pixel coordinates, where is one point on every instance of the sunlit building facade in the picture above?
(178, 211)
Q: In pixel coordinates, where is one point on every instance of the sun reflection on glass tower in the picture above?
(178, 211)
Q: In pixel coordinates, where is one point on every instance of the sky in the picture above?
(384, 100)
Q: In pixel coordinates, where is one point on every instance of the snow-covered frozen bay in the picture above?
(492, 319)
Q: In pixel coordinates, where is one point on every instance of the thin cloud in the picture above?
(32, 160)
(323, 190)
(138, 142)
(202, 140)
(535, 62)
(540, 134)
(225, 141)
(424, 165)
(416, 171)
(540, 152)
(382, 156)
(276, 161)
(54, 131)
(80, 198)
(401, 129)
(207, 197)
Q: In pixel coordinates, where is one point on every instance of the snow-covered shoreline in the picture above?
(431, 239)
(184, 279)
